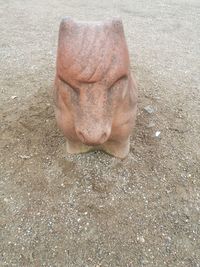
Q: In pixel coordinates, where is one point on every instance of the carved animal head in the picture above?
(92, 79)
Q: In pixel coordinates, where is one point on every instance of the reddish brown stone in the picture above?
(95, 93)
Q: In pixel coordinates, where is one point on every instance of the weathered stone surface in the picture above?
(95, 94)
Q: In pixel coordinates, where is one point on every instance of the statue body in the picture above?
(95, 94)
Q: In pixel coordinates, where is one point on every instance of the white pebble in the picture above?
(157, 133)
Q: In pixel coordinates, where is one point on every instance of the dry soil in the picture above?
(95, 210)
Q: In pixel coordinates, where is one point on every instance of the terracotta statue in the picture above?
(95, 93)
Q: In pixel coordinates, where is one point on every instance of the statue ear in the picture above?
(66, 25)
(117, 25)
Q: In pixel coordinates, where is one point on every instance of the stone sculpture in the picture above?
(95, 93)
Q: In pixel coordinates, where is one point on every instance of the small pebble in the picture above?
(141, 239)
(24, 157)
(151, 125)
(157, 133)
(149, 109)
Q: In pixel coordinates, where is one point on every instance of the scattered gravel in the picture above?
(95, 210)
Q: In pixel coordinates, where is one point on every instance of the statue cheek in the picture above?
(124, 91)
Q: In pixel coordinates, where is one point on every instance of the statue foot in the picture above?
(114, 148)
(78, 147)
(117, 149)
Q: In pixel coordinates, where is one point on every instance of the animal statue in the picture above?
(95, 93)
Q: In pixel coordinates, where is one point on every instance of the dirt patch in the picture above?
(93, 209)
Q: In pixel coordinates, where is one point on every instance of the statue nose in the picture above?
(94, 138)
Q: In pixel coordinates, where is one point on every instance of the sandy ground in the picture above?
(95, 210)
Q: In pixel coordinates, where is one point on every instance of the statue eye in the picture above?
(121, 79)
(75, 89)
